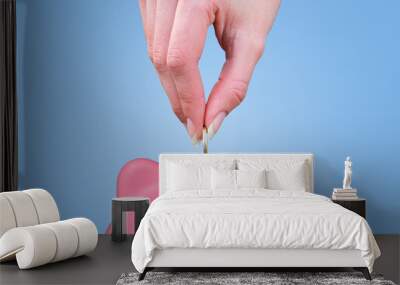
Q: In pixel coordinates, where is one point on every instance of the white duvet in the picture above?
(250, 219)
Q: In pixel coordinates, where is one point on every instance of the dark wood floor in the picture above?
(389, 262)
(110, 260)
(102, 266)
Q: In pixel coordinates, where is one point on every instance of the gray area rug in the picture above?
(225, 278)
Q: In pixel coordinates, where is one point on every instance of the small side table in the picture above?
(125, 204)
(358, 206)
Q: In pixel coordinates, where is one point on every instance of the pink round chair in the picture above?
(138, 177)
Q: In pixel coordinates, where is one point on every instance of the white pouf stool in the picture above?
(31, 230)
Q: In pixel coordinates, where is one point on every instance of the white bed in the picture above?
(280, 225)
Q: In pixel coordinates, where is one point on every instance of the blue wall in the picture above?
(90, 100)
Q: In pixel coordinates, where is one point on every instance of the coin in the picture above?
(205, 140)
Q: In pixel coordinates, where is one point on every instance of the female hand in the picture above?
(176, 32)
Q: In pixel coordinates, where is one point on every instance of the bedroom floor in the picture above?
(110, 260)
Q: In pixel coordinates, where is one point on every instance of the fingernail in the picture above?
(195, 141)
(215, 124)
(191, 131)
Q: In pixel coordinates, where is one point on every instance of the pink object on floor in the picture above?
(138, 177)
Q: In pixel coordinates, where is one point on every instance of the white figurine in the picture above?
(347, 173)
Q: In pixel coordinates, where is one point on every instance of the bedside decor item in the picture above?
(357, 205)
(347, 173)
(344, 194)
(138, 177)
(119, 208)
(347, 192)
(31, 231)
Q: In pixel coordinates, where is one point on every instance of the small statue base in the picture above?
(344, 194)
(345, 190)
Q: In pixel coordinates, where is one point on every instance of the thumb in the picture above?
(231, 88)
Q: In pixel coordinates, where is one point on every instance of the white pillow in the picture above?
(237, 179)
(187, 175)
(251, 178)
(184, 177)
(223, 179)
(294, 179)
(281, 174)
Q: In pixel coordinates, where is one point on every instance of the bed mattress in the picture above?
(250, 219)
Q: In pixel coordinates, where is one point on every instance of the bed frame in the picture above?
(245, 259)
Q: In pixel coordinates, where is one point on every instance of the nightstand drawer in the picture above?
(357, 206)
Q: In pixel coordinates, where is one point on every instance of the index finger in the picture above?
(188, 35)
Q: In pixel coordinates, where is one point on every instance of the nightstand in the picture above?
(125, 204)
(358, 206)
